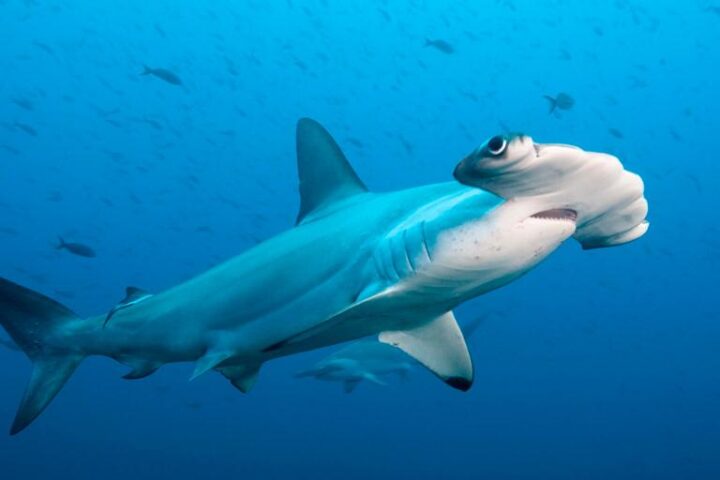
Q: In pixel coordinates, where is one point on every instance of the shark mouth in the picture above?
(563, 214)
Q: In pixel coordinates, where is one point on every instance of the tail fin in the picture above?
(61, 243)
(146, 70)
(553, 102)
(30, 318)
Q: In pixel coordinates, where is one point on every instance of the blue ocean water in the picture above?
(598, 364)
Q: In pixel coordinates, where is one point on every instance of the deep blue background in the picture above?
(600, 364)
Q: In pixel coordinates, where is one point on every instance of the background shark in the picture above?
(356, 264)
(364, 360)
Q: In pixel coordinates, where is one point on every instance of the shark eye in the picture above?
(496, 145)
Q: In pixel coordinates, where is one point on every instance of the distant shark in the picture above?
(356, 264)
(368, 360)
(365, 360)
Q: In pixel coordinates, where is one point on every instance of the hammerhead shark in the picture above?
(356, 264)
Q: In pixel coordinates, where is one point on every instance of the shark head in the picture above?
(544, 195)
(556, 182)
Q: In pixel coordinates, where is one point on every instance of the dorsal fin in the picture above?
(133, 296)
(132, 293)
(325, 174)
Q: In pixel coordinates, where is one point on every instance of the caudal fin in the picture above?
(31, 318)
(553, 103)
(146, 70)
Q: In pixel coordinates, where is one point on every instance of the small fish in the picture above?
(469, 95)
(162, 74)
(23, 103)
(676, 136)
(160, 31)
(355, 142)
(616, 133)
(26, 128)
(10, 149)
(695, 181)
(562, 101)
(54, 196)
(44, 47)
(440, 45)
(75, 248)
(152, 122)
(406, 145)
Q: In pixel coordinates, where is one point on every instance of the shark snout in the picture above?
(460, 172)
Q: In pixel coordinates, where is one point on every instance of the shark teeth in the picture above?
(565, 214)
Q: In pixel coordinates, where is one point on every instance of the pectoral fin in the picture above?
(371, 377)
(438, 345)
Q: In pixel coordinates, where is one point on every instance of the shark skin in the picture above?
(356, 264)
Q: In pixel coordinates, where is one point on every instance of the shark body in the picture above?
(356, 264)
